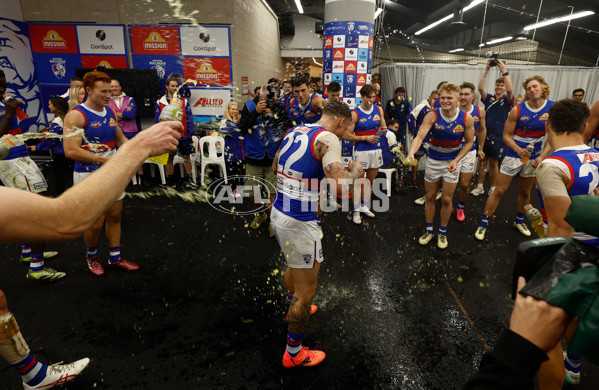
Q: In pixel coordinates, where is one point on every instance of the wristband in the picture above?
(505, 74)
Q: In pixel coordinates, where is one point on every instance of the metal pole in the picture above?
(535, 31)
(565, 36)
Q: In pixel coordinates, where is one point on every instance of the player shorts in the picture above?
(257, 176)
(22, 173)
(468, 162)
(299, 240)
(494, 148)
(437, 170)
(512, 166)
(369, 158)
(79, 176)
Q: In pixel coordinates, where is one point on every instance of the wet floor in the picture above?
(206, 310)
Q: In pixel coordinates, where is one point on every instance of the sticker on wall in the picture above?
(53, 38)
(98, 39)
(208, 71)
(205, 41)
(155, 40)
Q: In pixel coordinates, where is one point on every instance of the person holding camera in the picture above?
(263, 124)
(497, 107)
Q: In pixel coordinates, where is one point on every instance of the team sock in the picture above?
(115, 254)
(92, 251)
(32, 372)
(37, 262)
(294, 343)
(25, 250)
(572, 362)
(319, 220)
(492, 188)
(484, 221)
(443, 230)
(480, 185)
(519, 217)
(429, 228)
(461, 205)
(289, 298)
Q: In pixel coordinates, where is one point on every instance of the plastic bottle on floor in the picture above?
(536, 220)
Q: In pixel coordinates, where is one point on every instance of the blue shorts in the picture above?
(494, 148)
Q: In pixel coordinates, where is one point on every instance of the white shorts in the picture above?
(369, 158)
(23, 174)
(511, 166)
(79, 176)
(468, 162)
(299, 240)
(437, 170)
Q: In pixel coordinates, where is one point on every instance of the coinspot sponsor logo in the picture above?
(248, 199)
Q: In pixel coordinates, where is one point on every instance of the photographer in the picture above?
(263, 124)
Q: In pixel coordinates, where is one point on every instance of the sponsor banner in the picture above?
(362, 67)
(349, 90)
(209, 101)
(361, 79)
(108, 62)
(351, 67)
(351, 54)
(208, 71)
(362, 54)
(155, 40)
(164, 65)
(56, 68)
(349, 28)
(338, 54)
(328, 42)
(53, 38)
(338, 78)
(350, 79)
(328, 78)
(339, 41)
(351, 41)
(245, 86)
(204, 41)
(351, 102)
(97, 39)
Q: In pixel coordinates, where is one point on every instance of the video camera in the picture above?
(493, 55)
(271, 94)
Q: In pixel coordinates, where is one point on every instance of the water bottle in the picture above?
(5, 144)
(172, 112)
(21, 115)
(529, 148)
(536, 220)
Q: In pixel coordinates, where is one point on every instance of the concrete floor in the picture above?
(206, 310)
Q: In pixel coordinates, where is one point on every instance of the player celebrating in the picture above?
(307, 152)
(523, 134)
(467, 96)
(451, 137)
(102, 134)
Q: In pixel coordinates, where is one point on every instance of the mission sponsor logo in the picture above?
(154, 41)
(458, 129)
(112, 122)
(105, 64)
(53, 40)
(544, 117)
(206, 72)
(338, 54)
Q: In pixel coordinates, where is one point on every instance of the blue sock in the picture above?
(115, 254)
(25, 250)
(32, 372)
(572, 362)
(289, 298)
(92, 251)
(519, 217)
(484, 221)
(319, 219)
(294, 343)
(37, 262)
(429, 228)
(461, 205)
(443, 230)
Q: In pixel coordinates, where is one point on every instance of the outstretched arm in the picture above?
(38, 218)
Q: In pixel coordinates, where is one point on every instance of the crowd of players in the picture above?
(289, 134)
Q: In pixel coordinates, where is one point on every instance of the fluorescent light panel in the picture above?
(378, 12)
(298, 4)
(558, 20)
(438, 22)
(456, 50)
(498, 40)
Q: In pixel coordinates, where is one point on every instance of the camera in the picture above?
(493, 55)
(271, 93)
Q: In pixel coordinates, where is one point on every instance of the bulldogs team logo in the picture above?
(204, 36)
(350, 78)
(350, 26)
(101, 35)
(58, 67)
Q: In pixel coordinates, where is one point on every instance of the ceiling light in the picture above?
(456, 50)
(498, 40)
(378, 12)
(481, 45)
(521, 38)
(299, 6)
(438, 22)
(558, 20)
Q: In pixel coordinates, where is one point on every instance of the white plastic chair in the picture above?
(161, 168)
(214, 156)
(389, 175)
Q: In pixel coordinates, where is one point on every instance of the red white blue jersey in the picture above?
(20, 149)
(299, 173)
(100, 129)
(446, 136)
(530, 128)
(581, 165)
(475, 114)
(303, 116)
(368, 123)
